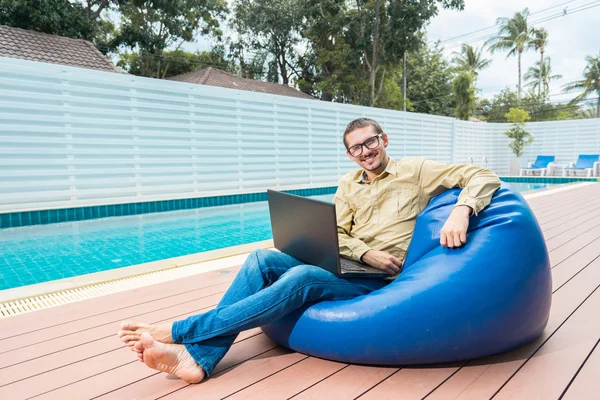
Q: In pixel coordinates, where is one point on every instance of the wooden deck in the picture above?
(72, 351)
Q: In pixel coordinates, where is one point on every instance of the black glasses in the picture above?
(371, 143)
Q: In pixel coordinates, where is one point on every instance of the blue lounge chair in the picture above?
(543, 164)
(587, 163)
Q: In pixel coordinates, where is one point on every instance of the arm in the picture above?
(478, 185)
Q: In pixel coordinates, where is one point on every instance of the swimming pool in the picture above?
(41, 253)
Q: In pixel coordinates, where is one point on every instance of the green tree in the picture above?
(533, 75)
(55, 17)
(331, 67)
(590, 84)
(150, 28)
(177, 62)
(470, 59)
(514, 36)
(539, 41)
(539, 108)
(76, 20)
(385, 29)
(499, 106)
(429, 87)
(271, 26)
(517, 132)
(464, 94)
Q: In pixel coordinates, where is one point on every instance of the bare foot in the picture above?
(170, 358)
(132, 331)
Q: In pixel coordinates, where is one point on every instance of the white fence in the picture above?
(75, 137)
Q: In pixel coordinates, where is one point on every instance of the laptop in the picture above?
(306, 229)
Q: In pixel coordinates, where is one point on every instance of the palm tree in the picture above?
(590, 84)
(513, 36)
(470, 59)
(539, 41)
(532, 77)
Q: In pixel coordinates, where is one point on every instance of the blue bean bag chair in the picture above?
(447, 305)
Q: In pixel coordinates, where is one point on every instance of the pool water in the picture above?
(40, 253)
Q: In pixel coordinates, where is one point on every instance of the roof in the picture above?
(215, 77)
(36, 46)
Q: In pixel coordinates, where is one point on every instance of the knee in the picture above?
(308, 281)
(261, 261)
(306, 273)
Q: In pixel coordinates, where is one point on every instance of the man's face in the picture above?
(369, 159)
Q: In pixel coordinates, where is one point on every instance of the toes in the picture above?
(147, 341)
(130, 338)
(127, 325)
(138, 346)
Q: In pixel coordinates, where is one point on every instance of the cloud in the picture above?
(571, 38)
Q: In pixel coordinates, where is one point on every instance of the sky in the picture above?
(571, 37)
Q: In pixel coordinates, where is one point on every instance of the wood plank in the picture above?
(553, 218)
(115, 378)
(79, 353)
(570, 248)
(289, 381)
(558, 204)
(481, 378)
(157, 384)
(243, 376)
(586, 384)
(64, 370)
(42, 319)
(566, 270)
(412, 382)
(556, 222)
(559, 207)
(105, 331)
(567, 234)
(348, 383)
(548, 372)
(110, 318)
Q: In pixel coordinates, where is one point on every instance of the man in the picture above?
(376, 205)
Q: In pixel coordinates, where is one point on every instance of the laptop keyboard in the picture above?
(350, 266)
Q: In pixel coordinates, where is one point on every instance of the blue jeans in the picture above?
(269, 285)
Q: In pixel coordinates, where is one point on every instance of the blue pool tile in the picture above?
(15, 219)
(26, 218)
(35, 217)
(52, 216)
(4, 220)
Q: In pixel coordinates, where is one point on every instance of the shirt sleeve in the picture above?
(479, 184)
(350, 247)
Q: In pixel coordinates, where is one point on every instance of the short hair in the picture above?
(361, 123)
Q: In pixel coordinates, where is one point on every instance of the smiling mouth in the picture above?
(369, 158)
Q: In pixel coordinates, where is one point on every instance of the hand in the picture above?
(382, 260)
(454, 231)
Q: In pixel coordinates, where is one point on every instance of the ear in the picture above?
(385, 139)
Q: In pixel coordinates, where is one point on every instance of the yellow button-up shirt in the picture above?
(381, 214)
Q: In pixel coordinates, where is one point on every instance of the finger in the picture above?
(457, 241)
(463, 237)
(391, 268)
(443, 240)
(449, 240)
